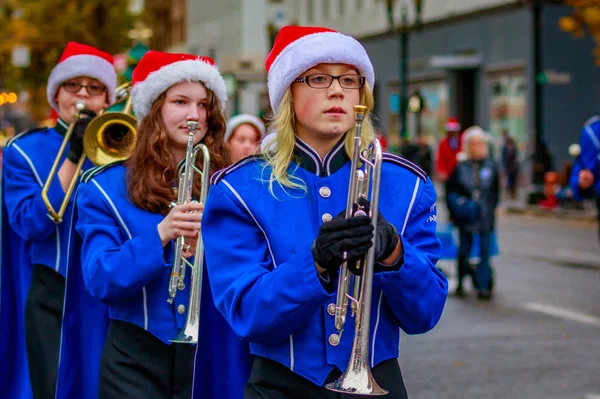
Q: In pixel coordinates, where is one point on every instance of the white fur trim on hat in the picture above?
(475, 132)
(241, 119)
(311, 50)
(146, 92)
(269, 143)
(82, 65)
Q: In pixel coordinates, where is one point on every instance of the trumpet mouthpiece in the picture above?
(192, 125)
(574, 150)
(359, 112)
(80, 105)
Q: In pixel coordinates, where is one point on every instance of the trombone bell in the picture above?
(110, 137)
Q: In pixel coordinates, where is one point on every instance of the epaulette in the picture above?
(220, 174)
(93, 172)
(25, 133)
(405, 163)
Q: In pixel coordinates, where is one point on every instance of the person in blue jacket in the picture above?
(275, 233)
(127, 222)
(85, 74)
(585, 175)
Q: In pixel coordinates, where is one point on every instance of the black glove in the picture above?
(339, 235)
(387, 235)
(76, 140)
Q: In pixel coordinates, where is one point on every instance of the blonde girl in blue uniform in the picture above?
(128, 226)
(275, 233)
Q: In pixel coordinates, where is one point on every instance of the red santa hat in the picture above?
(157, 71)
(82, 60)
(299, 48)
(452, 125)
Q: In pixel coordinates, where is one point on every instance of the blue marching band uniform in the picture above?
(262, 296)
(268, 289)
(589, 158)
(29, 237)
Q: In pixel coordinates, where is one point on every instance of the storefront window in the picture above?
(508, 101)
(433, 115)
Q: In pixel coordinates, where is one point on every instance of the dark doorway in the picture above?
(465, 97)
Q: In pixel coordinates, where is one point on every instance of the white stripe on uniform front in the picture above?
(37, 177)
(118, 215)
(593, 137)
(412, 202)
(57, 250)
(39, 180)
(239, 197)
(375, 330)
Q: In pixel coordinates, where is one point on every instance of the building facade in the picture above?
(475, 59)
(235, 33)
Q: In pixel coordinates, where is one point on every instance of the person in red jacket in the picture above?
(447, 150)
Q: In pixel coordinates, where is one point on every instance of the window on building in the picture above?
(433, 115)
(508, 107)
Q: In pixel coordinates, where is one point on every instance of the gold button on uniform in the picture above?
(334, 340)
(181, 309)
(331, 309)
(324, 192)
(326, 217)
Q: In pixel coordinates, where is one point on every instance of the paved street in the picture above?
(539, 338)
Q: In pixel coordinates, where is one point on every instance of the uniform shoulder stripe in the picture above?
(592, 120)
(22, 134)
(405, 163)
(220, 174)
(95, 171)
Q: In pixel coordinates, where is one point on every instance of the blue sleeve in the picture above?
(27, 213)
(416, 293)
(588, 159)
(262, 303)
(114, 267)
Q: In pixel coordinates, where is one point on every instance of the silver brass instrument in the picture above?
(358, 379)
(189, 333)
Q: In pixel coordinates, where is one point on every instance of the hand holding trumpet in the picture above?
(182, 221)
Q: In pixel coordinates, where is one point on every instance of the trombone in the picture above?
(187, 170)
(108, 138)
(358, 378)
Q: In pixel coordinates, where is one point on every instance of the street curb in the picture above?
(560, 260)
(552, 213)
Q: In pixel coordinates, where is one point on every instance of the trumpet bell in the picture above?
(110, 137)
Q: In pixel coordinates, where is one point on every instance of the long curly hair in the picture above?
(151, 168)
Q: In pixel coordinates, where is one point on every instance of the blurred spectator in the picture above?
(585, 177)
(419, 153)
(543, 162)
(449, 147)
(472, 197)
(510, 163)
(243, 135)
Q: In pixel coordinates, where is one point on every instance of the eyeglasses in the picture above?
(93, 89)
(323, 81)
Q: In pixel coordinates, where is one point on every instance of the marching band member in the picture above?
(243, 135)
(273, 242)
(127, 226)
(86, 74)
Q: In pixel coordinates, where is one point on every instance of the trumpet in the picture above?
(189, 333)
(108, 138)
(358, 378)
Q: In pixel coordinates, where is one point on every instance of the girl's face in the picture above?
(325, 113)
(73, 90)
(243, 142)
(186, 101)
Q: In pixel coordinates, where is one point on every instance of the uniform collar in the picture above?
(310, 160)
(61, 127)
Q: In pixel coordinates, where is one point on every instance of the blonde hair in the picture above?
(280, 153)
(475, 133)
